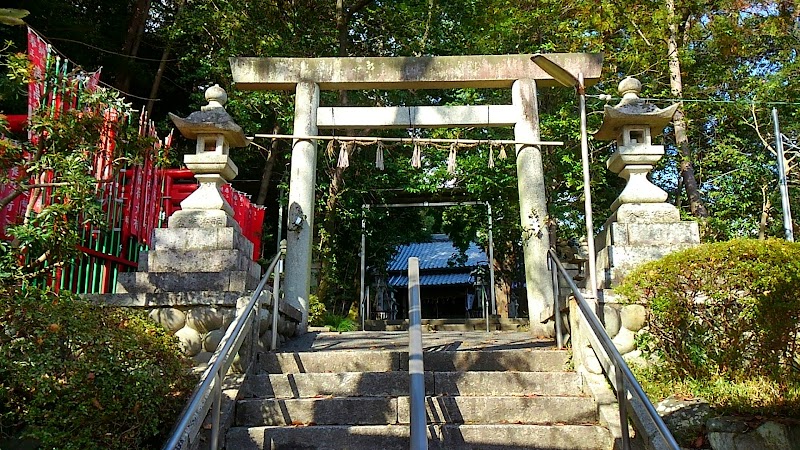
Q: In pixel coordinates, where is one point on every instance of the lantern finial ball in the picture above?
(630, 87)
(216, 96)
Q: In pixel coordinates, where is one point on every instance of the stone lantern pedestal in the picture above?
(642, 226)
(203, 248)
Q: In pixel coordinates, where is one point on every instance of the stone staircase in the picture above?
(350, 391)
(479, 324)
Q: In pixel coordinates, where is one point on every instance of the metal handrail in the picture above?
(416, 368)
(187, 429)
(623, 375)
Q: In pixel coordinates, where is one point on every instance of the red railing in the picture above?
(131, 199)
(180, 183)
(136, 199)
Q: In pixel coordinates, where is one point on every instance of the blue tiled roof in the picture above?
(446, 279)
(435, 255)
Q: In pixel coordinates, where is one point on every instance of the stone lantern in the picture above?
(642, 226)
(200, 268)
(631, 124)
(215, 132)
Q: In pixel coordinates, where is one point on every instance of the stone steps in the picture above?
(395, 410)
(495, 324)
(440, 437)
(482, 392)
(395, 383)
(519, 360)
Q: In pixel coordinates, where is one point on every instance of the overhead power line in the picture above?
(60, 53)
(108, 51)
(609, 98)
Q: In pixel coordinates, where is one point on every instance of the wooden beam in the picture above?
(417, 116)
(425, 72)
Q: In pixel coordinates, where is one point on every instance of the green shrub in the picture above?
(316, 311)
(74, 375)
(727, 309)
(339, 323)
(758, 396)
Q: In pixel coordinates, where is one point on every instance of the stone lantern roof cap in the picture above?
(632, 110)
(212, 119)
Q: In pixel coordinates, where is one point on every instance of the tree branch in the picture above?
(755, 126)
(357, 7)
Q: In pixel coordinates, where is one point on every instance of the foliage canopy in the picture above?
(732, 55)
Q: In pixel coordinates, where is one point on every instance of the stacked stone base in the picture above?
(193, 280)
(622, 322)
(624, 246)
(194, 259)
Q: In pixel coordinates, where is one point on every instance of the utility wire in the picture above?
(56, 50)
(126, 93)
(609, 98)
(604, 97)
(108, 51)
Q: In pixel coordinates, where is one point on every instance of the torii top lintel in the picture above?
(425, 72)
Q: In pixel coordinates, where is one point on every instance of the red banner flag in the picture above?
(37, 54)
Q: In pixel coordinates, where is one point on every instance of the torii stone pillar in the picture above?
(300, 218)
(532, 206)
(308, 75)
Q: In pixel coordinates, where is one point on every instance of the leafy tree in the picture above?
(53, 173)
(73, 375)
(10, 16)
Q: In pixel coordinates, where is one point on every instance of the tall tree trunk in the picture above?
(162, 64)
(151, 99)
(266, 174)
(133, 37)
(686, 165)
(337, 180)
(337, 174)
(329, 226)
(766, 205)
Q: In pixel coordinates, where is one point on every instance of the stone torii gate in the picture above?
(307, 76)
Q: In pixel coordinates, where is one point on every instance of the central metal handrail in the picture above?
(624, 379)
(416, 368)
(208, 393)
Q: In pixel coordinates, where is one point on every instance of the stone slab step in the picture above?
(150, 282)
(507, 383)
(522, 360)
(338, 361)
(440, 437)
(495, 324)
(343, 384)
(322, 411)
(394, 410)
(395, 384)
(517, 410)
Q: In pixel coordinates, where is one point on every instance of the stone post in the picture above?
(533, 208)
(300, 218)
